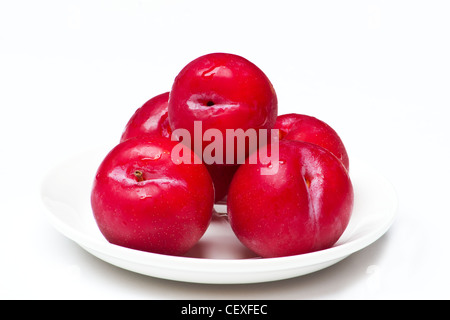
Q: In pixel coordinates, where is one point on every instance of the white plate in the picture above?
(218, 257)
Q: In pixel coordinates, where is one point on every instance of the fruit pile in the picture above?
(216, 137)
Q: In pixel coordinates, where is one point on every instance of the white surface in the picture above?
(218, 258)
(72, 73)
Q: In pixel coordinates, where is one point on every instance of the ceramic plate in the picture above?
(218, 257)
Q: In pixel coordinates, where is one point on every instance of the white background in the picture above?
(73, 72)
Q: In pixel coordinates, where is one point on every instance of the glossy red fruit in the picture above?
(223, 91)
(143, 200)
(150, 119)
(221, 176)
(309, 129)
(304, 207)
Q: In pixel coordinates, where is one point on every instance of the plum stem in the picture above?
(139, 175)
(308, 182)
